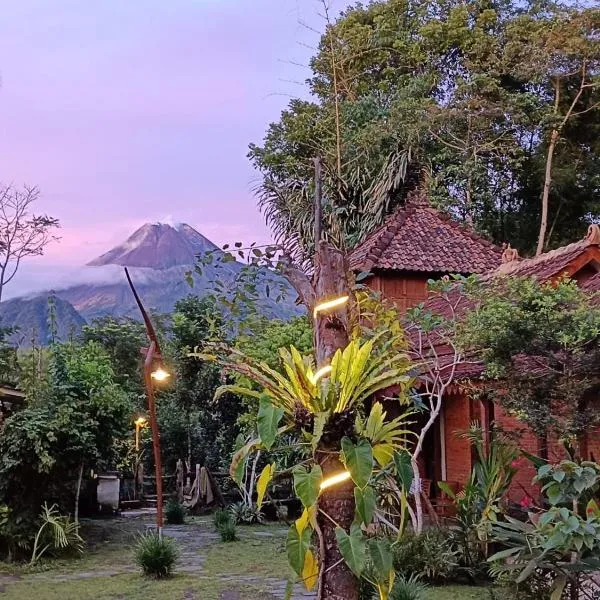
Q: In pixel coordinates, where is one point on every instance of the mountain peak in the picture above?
(157, 246)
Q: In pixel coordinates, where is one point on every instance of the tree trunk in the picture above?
(546, 192)
(77, 494)
(336, 506)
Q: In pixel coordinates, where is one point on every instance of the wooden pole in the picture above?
(148, 365)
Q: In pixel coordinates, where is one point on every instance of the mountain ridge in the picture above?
(160, 258)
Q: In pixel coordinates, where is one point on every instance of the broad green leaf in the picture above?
(358, 460)
(268, 422)
(310, 572)
(296, 546)
(238, 462)
(353, 548)
(365, 504)
(263, 481)
(404, 469)
(380, 553)
(307, 484)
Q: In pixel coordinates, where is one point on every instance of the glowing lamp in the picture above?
(335, 479)
(160, 375)
(330, 304)
(320, 373)
(141, 421)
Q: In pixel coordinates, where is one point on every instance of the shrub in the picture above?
(228, 531)
(430, 556)
(222, 515)
(155, 555)
(175, 512)
(245, 515)
(408, 589)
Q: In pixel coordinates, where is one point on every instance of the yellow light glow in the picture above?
(330, 304)
(141, 421)
(321, 373)
(335, 479)
(160, 375)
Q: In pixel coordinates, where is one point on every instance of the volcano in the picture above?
(161, 260)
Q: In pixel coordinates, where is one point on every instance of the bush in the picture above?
(228, 531)
(175, 512)
(430, 556)
(222, 516)
(156, 556)
(408, 589)
(245, 515)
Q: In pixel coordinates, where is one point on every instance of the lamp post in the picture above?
(153, 371)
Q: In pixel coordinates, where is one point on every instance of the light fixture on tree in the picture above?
(335, 479)
(328, 305)
(320, 374)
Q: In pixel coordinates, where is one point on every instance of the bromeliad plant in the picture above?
(351, 443)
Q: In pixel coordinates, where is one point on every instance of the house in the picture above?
(418, 243)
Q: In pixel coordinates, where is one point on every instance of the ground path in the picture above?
(198, 543)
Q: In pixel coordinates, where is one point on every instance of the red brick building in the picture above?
(418, 243)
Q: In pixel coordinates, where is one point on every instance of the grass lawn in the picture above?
(244, 570)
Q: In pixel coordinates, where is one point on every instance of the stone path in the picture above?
(194, 541)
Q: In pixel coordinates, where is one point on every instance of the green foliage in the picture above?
(470, 92)
(174, 512)
(409, 589)
(431, 556)
(353, 548)
(155, 555)
(541, 346)
(267, 423)
(297, 545)
(358, 459)
(222, 515)
(558, 544)
(569, 482)
(242, 514)
(307, 484)
(227, 531)
(75, 421)
(365, 504)
(56, 534)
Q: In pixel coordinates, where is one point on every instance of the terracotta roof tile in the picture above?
(550, 264)
(418, 237)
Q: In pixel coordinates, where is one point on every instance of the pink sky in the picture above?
(128, 112)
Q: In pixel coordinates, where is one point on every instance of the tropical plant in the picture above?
(410, 588)
(478, 504)
(227, 531)
(155, 554)
(175, 512)
(325, 409)
(222, 515)
(559, 544)
(431, 556)
(243, 514)
(57, 533)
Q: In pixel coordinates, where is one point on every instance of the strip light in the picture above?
(335, 479)
(321, 373)
(330, 304)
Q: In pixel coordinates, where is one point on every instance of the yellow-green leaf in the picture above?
(263, 481)
(310, 572)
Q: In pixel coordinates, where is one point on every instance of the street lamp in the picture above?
(140, 423)
(153, 371)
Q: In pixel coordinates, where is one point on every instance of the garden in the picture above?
(409, 431)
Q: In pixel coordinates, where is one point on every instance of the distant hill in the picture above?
(158, 257)
(32, 318)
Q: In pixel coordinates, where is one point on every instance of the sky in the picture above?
(126, 112)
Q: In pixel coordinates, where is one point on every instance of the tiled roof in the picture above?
(550, 264)
(418, 237)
